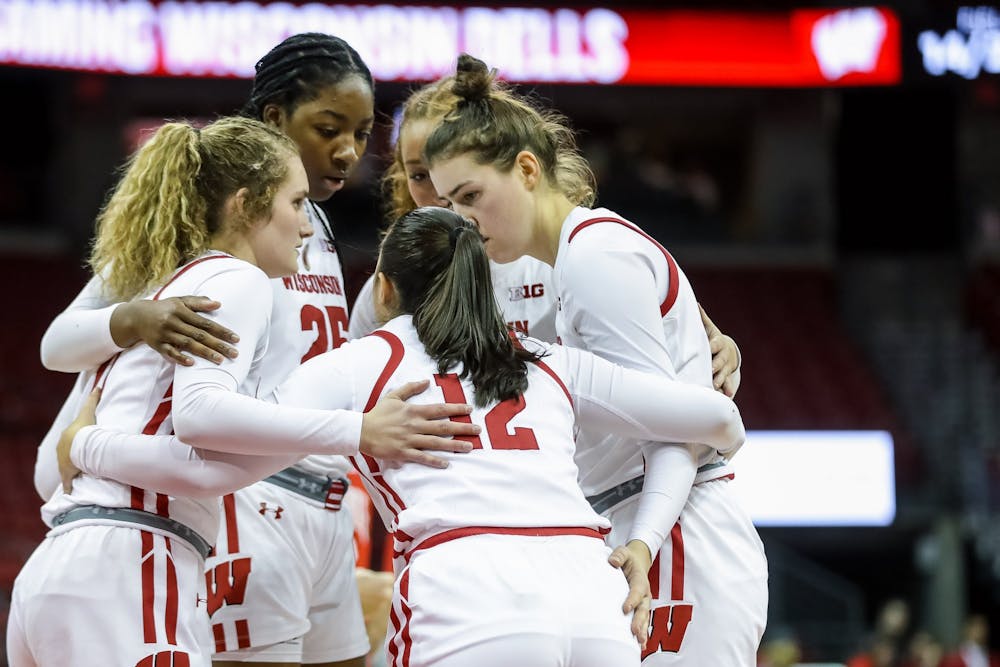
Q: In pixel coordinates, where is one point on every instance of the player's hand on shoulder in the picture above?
(173, 328)
(86, 417)
(402, 432)
(725, 357)
(634, 561)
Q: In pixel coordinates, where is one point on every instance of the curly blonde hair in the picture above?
(170, 199)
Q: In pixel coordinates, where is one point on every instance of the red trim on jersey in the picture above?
(102, 369)
(232, 530)
(170, 611)
(138, 498)
(162, 410)
(148, 589)
(162, 504)
(545, 367)
(395, 358)
(396, 353)
(457, 533)
(219, 632)
(154, 424)
(676, 563)
(672, 288)
(184, 270)
(242, 633)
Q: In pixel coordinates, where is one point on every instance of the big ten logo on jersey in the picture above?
(330, 324)
(226, 583)
(522, 292)
(496, 420)
(667, 626)
(166, 659)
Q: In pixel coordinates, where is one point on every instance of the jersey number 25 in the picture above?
(328, 336)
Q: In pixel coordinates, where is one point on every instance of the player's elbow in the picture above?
(731, 432)
(51, 357)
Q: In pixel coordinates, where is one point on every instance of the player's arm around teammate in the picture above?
(517, 172)
(524, 289)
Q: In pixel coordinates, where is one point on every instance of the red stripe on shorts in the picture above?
(654, 578)
(242, 633)
(672, 288)
(232, 530)
(170, 611)
(676, 563)
(404, 592)
(219, 633)
(148, 589)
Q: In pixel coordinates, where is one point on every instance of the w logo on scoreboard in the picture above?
(849, 41)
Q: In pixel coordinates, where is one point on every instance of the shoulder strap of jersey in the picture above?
(184, 269)
(673, 282)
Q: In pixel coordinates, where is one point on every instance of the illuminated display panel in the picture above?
(809, 47)
(966, 44)
(817, 478)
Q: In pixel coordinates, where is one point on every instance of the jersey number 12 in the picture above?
(496, 420)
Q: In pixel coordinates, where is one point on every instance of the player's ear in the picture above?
(386, 295)
(274, 115)
(528, 169)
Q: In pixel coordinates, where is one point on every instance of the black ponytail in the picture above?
(438, 264)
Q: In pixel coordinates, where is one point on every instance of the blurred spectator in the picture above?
(885, 647)
(924, 651)
(974, 650)
(782, 651)
(881, 652)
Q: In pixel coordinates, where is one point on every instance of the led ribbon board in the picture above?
(808, 47)
(817, 478)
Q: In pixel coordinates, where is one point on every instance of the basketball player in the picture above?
(523, 287)
(516, 171)
(186, 199)
(289, 605)
(526, 546)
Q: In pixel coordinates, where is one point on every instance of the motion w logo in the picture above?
(165, 659)
(668, 626)
(226, 584)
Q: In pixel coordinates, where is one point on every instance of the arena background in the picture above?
(826, 173)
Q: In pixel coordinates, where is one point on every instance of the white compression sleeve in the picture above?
(642, 405)
(79, 338)
(670, 472)
(164, 464)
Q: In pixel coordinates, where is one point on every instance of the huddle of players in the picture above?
(280, 579)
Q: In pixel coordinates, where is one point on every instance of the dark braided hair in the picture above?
(297, 69)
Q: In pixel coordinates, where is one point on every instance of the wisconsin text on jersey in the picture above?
(313, 283)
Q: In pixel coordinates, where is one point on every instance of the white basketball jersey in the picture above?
(520, 473)
(523, 290)
(309, 317)
(526, 297)
(606, 270)
(137, 398)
